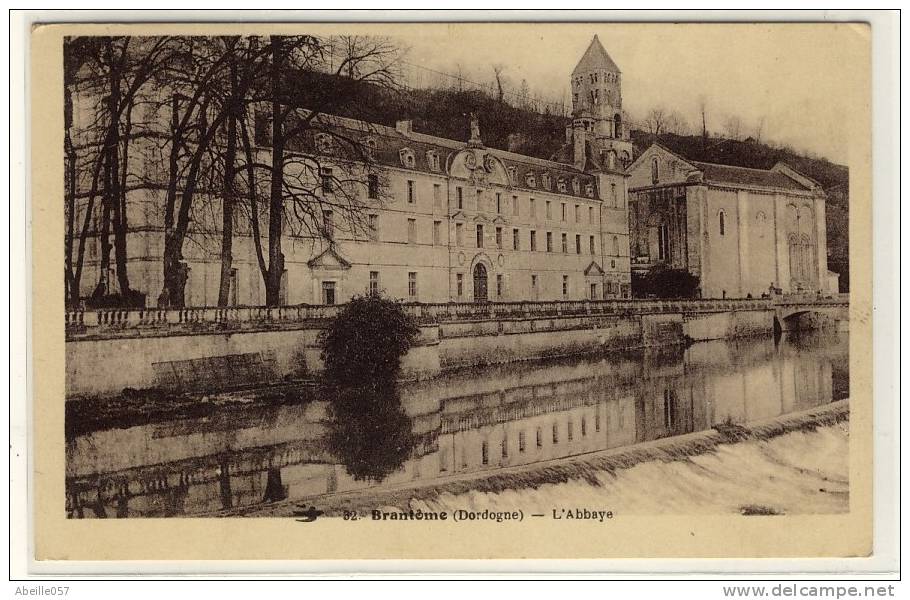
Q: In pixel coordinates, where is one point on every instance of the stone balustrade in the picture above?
(139, 321)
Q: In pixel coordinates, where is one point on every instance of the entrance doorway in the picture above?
(480, 283)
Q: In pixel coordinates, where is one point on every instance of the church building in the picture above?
(742, 232)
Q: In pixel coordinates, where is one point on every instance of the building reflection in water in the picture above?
(475, 422)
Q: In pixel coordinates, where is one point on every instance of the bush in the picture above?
(365, 342)
(362, 350)
(661, 282)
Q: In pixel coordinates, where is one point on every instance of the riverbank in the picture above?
(755, 450)
(143, 407)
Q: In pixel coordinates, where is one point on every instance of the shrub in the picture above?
(365, 342)
(661, 282)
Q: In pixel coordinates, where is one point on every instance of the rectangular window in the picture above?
(499, 237)
(484, 453)
(597, 422)
(565, 244)
(563, 211)
(459, 234)
(437, 195)
(570, 430)
(584, 427)
(480, 236)
(412, 286)
(505, 446)
(328, 292)
(516, 240)
(555, 433)
(479, 201)
(412, 231)
(328, 225)
(459, 284)
(498, 203)
(539, 437)
(499, 285)
(412, 191)
(577, 214)
(577, 244)
(549, 241)
(533, 241)
(533, 207)
(374, 283)
(327, 181)
(591, 215)
(533, 283)
(565, 285)
(374, 227)
(437, 232)
(549, 212)
(373, 186)
(663, 243)
(593, 291)
(515, 209)
(591, 245)
(521, 441)
(459, 198)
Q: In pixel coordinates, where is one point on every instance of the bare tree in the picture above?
(676, 123)
(302, 191)
(733, 127)
(498, 69)
(656, 120)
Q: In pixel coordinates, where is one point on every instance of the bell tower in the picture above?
(599, 130)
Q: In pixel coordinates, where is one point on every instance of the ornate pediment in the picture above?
(329, 260)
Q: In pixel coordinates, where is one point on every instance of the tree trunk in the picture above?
(276, 196)
(227, 204)
(72, 292)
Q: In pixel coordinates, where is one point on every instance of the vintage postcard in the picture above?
(452, 290)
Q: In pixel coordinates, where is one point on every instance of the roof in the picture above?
(390, 142)
(595, 58)
(729, 174)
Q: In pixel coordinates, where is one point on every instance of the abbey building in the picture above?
(449, 220)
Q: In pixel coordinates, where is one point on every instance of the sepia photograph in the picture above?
(475, 277)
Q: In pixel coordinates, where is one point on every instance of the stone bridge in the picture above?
(799, 312)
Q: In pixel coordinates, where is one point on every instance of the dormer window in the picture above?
(512, 175)
(576, 186)
(546, 181)
(324, 143)
(589, 190)
(370, 145)
(561, 184)
(406, 155)
(433, 160)
(530, 179)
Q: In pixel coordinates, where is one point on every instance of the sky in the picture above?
(809, 82)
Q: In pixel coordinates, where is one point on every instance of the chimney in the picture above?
(404, 127)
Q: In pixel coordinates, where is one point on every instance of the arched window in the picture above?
(721, 222)
(615, 245)
(655, 170)
(617, 126)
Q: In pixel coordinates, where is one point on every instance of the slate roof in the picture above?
(389, 143)
(729, 174)
(595, 58)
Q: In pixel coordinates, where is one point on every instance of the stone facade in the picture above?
(456, 221)
(743, 232)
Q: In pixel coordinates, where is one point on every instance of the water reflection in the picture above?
(472, 422)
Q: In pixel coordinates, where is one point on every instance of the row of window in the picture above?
(539, 439)
(480, 236)
(499, 205)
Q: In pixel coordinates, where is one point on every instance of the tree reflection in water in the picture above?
(371, 434)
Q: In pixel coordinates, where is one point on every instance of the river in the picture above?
(481, 423)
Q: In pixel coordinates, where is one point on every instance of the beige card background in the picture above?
(58, 538)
